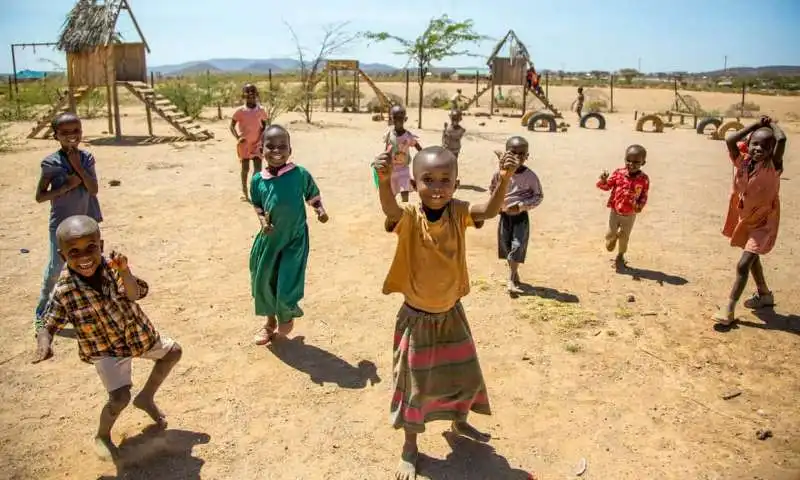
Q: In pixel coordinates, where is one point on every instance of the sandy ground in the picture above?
(574, 371)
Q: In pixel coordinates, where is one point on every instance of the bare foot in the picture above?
(513, 287)
(148, 405)
(105, 448)
(264, 336)
(466, 430)
(407, 468)
(724, 317)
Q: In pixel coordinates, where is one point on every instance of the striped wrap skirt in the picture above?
(435, 374)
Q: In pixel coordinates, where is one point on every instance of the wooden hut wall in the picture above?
(504, 73)
(88, 69)
(130, 62)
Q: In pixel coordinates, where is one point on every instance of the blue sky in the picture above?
(566, 34)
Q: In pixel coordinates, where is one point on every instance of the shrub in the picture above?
(436, 99)
(92, 105)
(187, 97)
(750, 110)
(374, 105)
(597, 106)
(6, 142)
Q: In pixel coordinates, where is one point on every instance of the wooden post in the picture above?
(117, 126)
(611, 107)
(327, 90)
(744, 90)
(358, 91)
(152, 80)
(477, 86)
(407, 75)
(149, 114)
(355, 88)
(270, 79)
(677, 106)
(547, 85)
(491, 101)
(524, 99)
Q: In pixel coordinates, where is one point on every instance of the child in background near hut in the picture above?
(753, 210)
(452, 134)
(251, 119)
(69, 182)
(437, 375)
(577, 105)
(629, 188)
(398, 141)
(278, 259)
(98, 297)
(524, 194)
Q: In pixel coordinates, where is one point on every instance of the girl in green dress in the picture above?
(278, 258)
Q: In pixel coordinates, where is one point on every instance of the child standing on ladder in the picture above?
(397, 142)
(437, 375)
(69, 182)
(753, 210)
(279, 256)
(251, 119)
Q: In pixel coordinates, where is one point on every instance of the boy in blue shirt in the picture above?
(69, 182)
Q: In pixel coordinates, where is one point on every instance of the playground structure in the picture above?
(511, 70)
(96, 58)
(684, 107)
(336, 69)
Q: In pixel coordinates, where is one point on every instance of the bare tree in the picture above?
(335, 38)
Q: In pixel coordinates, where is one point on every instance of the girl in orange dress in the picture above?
(753, 209)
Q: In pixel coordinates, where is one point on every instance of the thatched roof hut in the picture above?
(89, 25)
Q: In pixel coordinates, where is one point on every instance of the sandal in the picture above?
(760, 301)
(264, 336)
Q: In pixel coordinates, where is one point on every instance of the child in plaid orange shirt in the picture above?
(98, 297)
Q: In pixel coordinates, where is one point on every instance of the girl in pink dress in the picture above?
(397, 142)
(753, 209)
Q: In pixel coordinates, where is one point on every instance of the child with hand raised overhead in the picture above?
(754, 209)
(436, 371)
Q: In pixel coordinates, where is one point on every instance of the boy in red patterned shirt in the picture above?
(629, 187)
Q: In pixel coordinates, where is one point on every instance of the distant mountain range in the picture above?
(278, 65)
(249, 65)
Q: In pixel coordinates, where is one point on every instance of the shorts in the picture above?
(513, 232)
(115, 372)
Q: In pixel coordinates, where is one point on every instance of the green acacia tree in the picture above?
(441, 39)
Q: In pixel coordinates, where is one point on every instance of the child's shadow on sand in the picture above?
(165, 455)
(772, 321)
(528, 290)
(655, 276)
(322, 366)
(468, 460)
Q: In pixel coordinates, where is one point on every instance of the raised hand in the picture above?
(118, 261)
(604, 176)
(383, 165)
(509, 164)
(765, 121)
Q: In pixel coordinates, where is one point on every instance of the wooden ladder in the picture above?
(385, 100)
(547, 104)
(475, 98)
(168, 111)
(61, 106)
